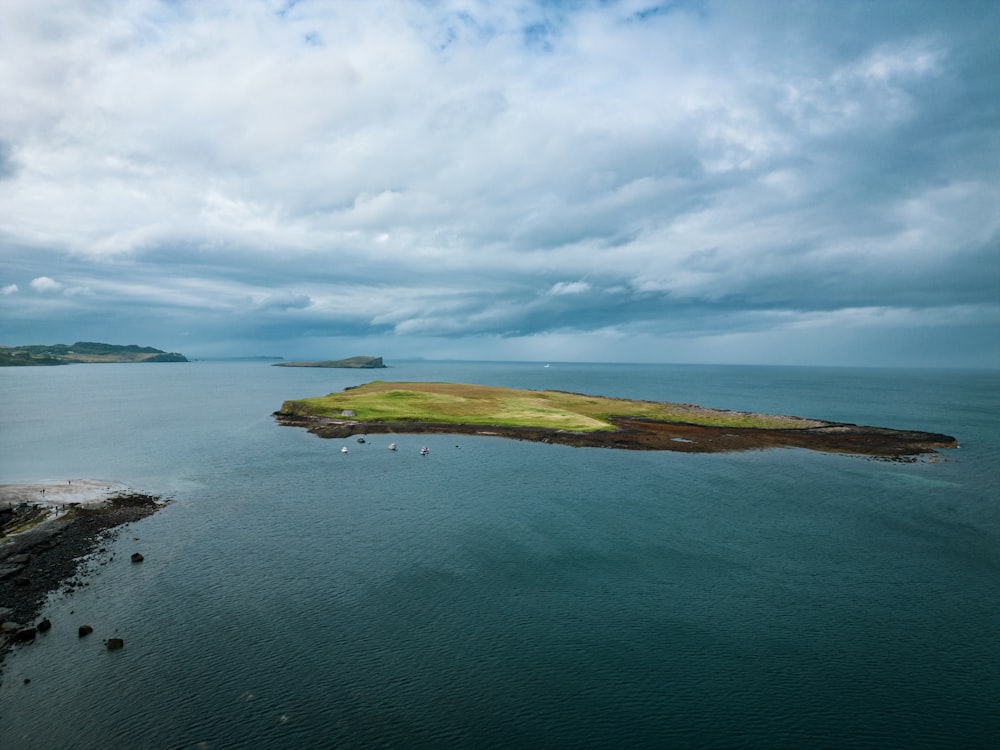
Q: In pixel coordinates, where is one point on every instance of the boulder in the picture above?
(44, 626)
(25, 634)
(115, 643)
(136, 557)
(85, 630)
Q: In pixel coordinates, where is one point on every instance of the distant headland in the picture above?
(82, 351)
(581, 420)
(353, 363)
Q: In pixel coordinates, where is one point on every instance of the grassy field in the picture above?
(458, 403)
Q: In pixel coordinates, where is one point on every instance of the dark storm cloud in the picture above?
(605, 180)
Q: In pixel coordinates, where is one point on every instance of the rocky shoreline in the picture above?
(643, 434)
(48, 554)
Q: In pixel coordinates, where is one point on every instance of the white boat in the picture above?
(392, 446)
(424, 451)
(344, 450)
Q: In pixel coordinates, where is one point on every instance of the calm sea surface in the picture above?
(498, 593)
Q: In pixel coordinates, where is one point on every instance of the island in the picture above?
(82, 351)
(351, 363)
(581, 420)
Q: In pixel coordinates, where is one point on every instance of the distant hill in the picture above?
(356, 363)
(82, 351)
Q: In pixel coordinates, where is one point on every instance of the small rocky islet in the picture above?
(350, 363)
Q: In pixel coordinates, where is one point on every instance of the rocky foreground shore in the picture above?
(40, 554)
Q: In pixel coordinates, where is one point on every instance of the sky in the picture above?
(788, 183)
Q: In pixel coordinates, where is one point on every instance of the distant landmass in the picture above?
(356, 363)
(82, 351)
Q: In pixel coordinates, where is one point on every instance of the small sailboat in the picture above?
(344, 450)
(424, 451)
(392, 446)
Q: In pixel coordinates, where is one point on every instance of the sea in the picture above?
(498, 593)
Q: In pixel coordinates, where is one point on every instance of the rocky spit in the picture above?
(44, 546)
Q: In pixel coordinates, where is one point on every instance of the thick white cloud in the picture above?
(45, 284)
(474, 170)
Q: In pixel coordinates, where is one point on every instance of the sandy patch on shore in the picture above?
(60, 492)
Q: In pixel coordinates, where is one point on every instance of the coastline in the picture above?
(59, 493)
(46, 541)
(645, 434)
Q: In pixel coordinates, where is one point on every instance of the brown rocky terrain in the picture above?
(641, 434)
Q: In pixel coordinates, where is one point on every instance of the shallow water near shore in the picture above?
(497, 593)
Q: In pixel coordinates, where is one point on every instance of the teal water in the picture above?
(498, 593)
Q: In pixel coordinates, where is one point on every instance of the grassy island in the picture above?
(82, 351)
(458, 403)
(579, 419)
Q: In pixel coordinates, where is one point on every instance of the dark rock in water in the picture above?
(25, 634)
(115, 643)
(85, 630)
(44, 626)
(136, 557)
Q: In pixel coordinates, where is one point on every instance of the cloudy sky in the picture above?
(693, 181)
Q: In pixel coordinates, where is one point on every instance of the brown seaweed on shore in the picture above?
(646, 434)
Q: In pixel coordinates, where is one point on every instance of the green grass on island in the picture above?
(82, 351)
(458, 403)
